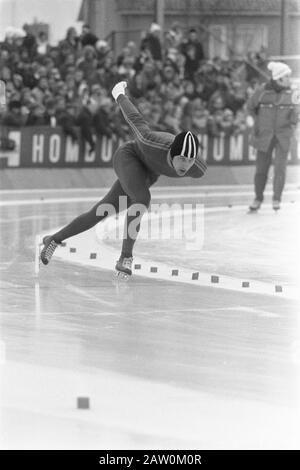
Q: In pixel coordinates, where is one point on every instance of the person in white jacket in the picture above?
(276, 113)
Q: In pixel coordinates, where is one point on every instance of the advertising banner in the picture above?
(48, 147)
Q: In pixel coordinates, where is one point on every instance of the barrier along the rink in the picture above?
(49, 147)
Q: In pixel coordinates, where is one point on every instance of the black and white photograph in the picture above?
(149, 227)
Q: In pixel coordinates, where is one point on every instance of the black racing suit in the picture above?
(138, 164)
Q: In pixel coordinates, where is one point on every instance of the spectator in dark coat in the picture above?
(192, 49)
(102, 120)
(152, 42)
(87, 38)
(37, 116)
(29, 41)
(13, 117)
(69, 45)
(88, 64)
(85, 121)
(66, 118)
(191, 63)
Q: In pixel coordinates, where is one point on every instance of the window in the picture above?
(250, 37)
(217, 45)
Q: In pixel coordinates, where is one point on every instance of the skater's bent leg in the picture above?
(133, 221)
(90, 218)
(135, 180)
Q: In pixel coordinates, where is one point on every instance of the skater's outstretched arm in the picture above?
(142, 132)
(130, 112)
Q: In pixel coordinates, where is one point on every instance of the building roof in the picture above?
(83, 12)
(234, 7)
(247, 5)
(228, 6)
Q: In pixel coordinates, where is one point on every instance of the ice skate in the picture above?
(48, 249)
(255, 205)
(276, 205)
(123, 268)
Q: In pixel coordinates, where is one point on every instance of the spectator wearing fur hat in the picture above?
(275, 115)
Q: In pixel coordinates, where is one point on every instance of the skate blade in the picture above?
(120, 276)
(37, 262)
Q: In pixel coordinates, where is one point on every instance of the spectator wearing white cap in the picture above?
(275, 116)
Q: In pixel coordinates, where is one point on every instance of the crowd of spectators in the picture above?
(170, 80)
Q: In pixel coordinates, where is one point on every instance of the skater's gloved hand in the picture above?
(119, 89)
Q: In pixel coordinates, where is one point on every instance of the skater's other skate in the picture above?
(49, 247)
(255, 205)
(123, 267)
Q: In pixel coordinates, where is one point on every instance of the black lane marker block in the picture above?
(278, 288)
(83, 403)
(174, 272)
(93, 255)
(72, 250)
(153, 269)
(214, 279)
(245, 284)
(137, 266)
(195, 276)
(63, 244)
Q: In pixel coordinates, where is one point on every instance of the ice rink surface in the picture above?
(168, 360)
